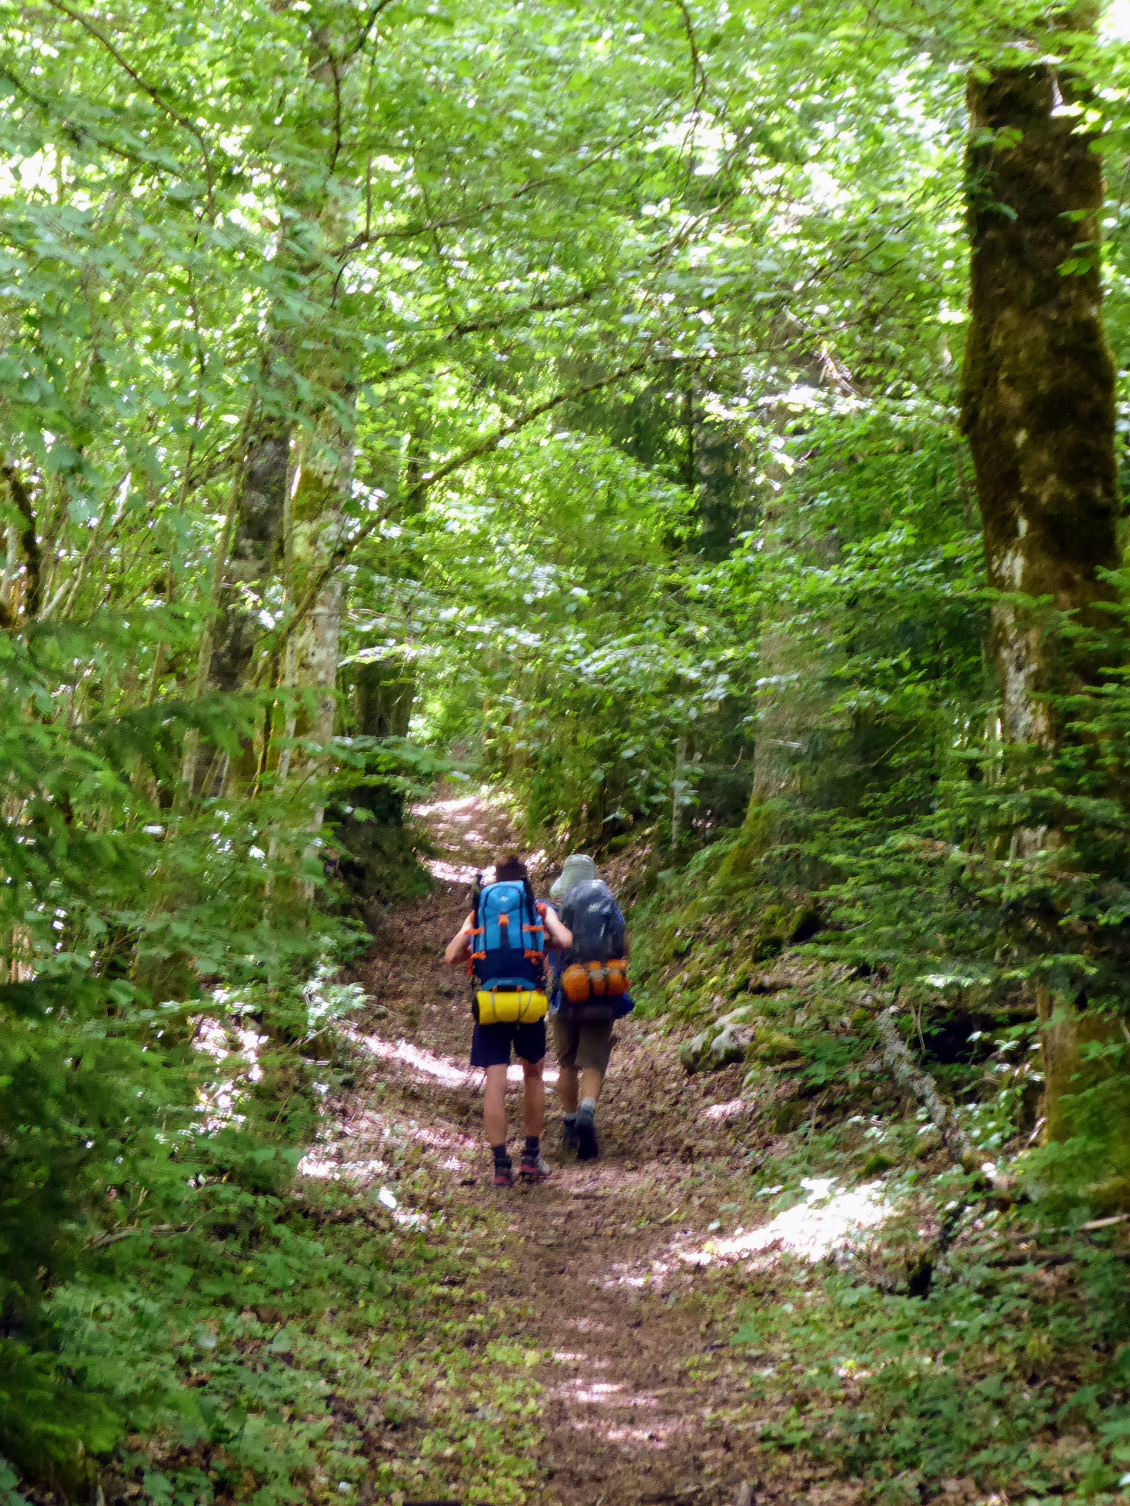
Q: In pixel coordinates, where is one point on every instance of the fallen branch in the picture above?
(915, 1081)
(1103, 1223)
(153, 1230)
(911, 1077)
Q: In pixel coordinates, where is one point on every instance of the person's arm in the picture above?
(459, 947)
(560, 936)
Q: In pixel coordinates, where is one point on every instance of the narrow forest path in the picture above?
(608, 1270)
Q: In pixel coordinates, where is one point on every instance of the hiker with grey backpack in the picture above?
(590, 993)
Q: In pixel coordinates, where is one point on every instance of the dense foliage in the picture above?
(562, 394)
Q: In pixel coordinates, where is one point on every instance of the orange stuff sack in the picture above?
(575, 984)
(595, 971)
(616, 978)
(595, 980)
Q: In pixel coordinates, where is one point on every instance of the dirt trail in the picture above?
(603, 1267)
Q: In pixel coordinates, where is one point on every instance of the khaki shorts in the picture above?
(582, 1046)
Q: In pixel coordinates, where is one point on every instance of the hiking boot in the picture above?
(534, 1168)
(587, 1146)
(504, 1173)
(569, 1141)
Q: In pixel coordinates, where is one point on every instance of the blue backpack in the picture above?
(508, 936)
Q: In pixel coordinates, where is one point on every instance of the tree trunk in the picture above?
(1038, 409)
(253, 557)
(323, 483)
(1038, 404)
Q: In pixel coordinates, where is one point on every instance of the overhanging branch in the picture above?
(430, 479)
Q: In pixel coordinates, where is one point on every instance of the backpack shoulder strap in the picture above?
(476, 925)
(533, 933)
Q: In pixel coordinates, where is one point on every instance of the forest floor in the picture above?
(619, 1280)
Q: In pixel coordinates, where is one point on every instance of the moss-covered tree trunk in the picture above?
(324, 475)
(255, 551)
(1038, 410)
(1038, 400)
(322, 484)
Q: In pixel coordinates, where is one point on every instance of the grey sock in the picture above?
(587, 1109)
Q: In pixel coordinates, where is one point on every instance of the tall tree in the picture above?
(1038, 408)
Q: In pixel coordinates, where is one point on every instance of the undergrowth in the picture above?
(1009, 1376)
(290, 1343)
(974, 1347)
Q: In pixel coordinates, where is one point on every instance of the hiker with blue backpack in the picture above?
(590, 993)
(504, 942)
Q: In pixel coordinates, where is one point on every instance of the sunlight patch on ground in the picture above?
(450, 873)
(597, 1392)
(341, 1155)
(656, 1436)
(600, 1394)
(426, 1066)
(461, 810)
(828, 1219)
(327, 1169)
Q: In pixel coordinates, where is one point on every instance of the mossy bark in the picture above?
(1038, 399)
(255, 553)
(1038, 410)
(322, 485)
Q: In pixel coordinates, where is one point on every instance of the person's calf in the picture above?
(568, 1090)
(533, 1098)
(592, 1080)
(494, 1106)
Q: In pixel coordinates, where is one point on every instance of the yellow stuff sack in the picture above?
(497, 1006)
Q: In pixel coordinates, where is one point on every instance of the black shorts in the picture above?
(490, 1044)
